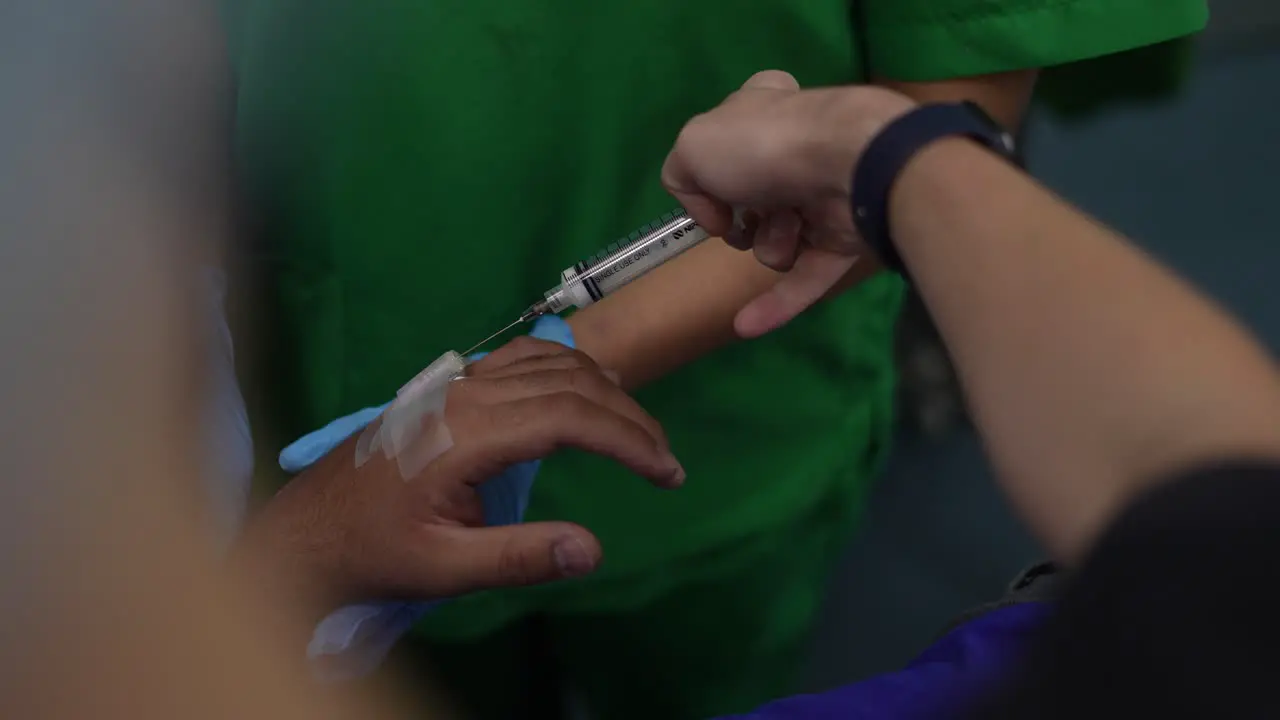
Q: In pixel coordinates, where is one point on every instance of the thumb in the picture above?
(814, 274)
(472, 559)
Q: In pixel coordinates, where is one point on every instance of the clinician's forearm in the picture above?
(1089, 368)
(1005, 96)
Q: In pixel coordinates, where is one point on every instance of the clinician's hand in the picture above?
(784, 156)
(355, 534)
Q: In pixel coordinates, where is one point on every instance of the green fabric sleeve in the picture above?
(921, 40)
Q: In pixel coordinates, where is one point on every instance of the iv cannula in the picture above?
(600, 275)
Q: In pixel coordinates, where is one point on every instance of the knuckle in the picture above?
(773, 80)
(656, 427)
(686, 135)
(688, 139)
(515, 566)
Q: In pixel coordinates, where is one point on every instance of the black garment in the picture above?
(1176, 614)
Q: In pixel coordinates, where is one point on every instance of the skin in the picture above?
(124, 537)
(1217, 394)
(687, 308)
(342, 536)
(339, 533)
(1091, 370)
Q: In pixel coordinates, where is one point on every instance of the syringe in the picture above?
(600, 275)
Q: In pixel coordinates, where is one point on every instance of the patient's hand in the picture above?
(358, 534)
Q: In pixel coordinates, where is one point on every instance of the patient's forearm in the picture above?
(672, 316)
(1005, 96)
(677, 313)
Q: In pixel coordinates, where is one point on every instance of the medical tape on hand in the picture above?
(411, 431)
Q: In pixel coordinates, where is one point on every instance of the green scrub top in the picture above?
(423, 169)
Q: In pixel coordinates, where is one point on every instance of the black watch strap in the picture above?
(888, 153)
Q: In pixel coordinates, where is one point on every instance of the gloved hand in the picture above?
(354, 640)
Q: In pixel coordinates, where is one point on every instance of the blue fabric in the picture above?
(355, 639)
(942, 683)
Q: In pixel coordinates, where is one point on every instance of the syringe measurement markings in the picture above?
(630, 260)
(614, 265)
(636, 236)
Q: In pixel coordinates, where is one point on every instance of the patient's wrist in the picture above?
(288, 546)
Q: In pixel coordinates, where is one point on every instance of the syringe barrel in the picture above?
(602, 274)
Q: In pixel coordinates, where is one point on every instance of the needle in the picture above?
(485, 341)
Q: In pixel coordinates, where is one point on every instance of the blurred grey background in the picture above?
(1192, 180)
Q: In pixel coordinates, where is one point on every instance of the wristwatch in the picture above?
(888, 153)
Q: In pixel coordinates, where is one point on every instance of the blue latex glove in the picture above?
(355, 639)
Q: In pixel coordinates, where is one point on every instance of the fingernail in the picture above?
(613, 376)
(571, 557)
(677, 470)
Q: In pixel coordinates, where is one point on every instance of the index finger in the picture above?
(499, 387)
(533, 427)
